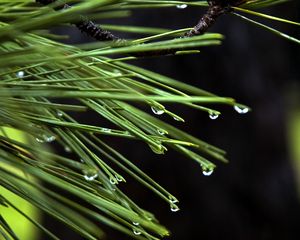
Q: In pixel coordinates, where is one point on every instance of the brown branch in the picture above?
(85, 25)
(216, 8)
(207, 20)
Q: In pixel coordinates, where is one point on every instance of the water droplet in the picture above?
(207, 172)
(157, 111)
(173, 199)
(181, 6)
(176, 119)
(240, 109)
(213, 115)
(90, 174)
(45, 138)
(161, 131)
(20, 74)
(135, 223)
(136, 232)
(157, 149)
(117, 72)
(113, 181)
(67, 149)
(39, 140)
(119, 178)
(148, 217)
(49, 138)
(174, 208)
(106, 130)
(59, 113)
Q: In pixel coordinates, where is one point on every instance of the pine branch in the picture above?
(38, 76)
(215, 9)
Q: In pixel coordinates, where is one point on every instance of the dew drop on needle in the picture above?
(213, 115)
(207, 172)
(181, 6)
(174, 208)
(173, 200)
(67, 149)
(90, 174)
(113, 181)
(20, 74)
(157, 110)
(136, 232)
(240, 109)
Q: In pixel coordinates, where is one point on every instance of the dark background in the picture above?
(255, 195)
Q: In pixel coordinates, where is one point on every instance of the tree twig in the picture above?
(85, 25)
(216, 8)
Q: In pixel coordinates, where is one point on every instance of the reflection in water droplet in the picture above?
(181, 6)
(240, 109)
(90, 174)
(213, 115)
(173, 199)
(135, 223)
(157, 111)
(136, 232)
(207, 172)
(20, 74)
(174, 208)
